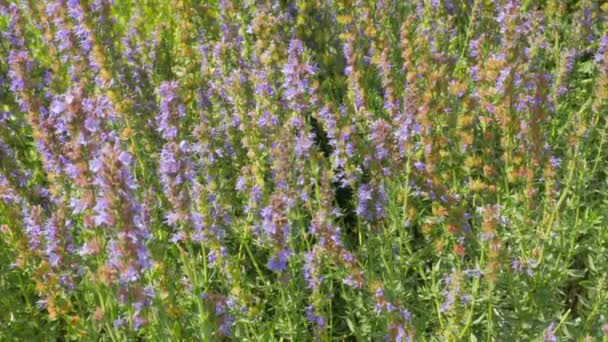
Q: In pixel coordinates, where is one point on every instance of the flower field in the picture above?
(310, 170)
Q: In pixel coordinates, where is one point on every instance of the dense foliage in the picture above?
(306, 170)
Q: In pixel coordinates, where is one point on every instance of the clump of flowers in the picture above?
(303, 170)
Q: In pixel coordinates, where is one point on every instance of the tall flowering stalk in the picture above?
(175, 165)
(118, 209)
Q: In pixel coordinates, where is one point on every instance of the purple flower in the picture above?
(474, 46)
(279, 263)
(502, 78)
(56, 237)
(400, 334)
(33, 222)
(309, 269)
(175, 175)
(296, 74)
(313, 317)
(119, 323)
(364, 197)
(16, 60)
(41, 304)
(170, 110)
(475, 73)
(406, 315)
(304, 143)
(548, 335)
(138, 322)
(226, 325)
(240, 184)
(211, 257)
(380, 136)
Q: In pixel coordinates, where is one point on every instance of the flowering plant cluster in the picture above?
(303, 170)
